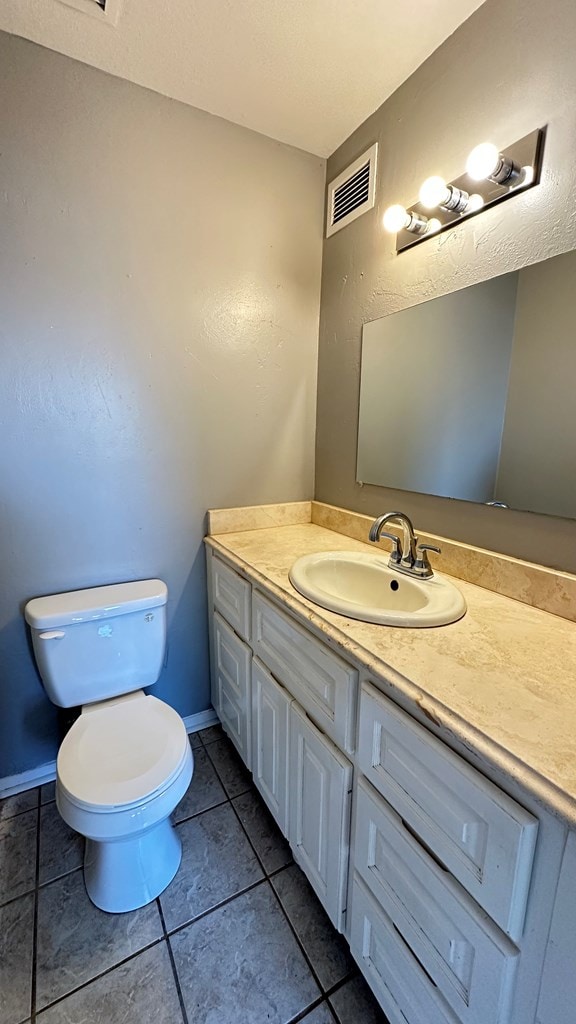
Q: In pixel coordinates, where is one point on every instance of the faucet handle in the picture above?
(422, 563)
(396, 556)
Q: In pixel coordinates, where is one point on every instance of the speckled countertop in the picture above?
(502, 680)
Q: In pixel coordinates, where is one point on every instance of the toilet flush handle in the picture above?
(52, 634)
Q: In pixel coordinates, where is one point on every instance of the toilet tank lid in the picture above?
(95, 603)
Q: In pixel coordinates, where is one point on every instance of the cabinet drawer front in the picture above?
(319, 812)
(470, 960)
(321, 681)
(270, 727)
(478, 832)
(232, 668)
(231, 596)
(401, 986)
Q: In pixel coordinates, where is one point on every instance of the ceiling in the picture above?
(305, 72)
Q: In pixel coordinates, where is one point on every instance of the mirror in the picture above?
(473, 395)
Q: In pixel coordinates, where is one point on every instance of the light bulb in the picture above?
(527, 175)
(396, 218)
(433, 225)
(434, 192)
(475, 202)
(483, 161)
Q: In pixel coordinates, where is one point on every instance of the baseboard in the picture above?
(12, 784)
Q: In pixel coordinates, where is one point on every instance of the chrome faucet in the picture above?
(413, 559)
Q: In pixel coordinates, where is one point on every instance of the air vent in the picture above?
(352, 193)
(104, 10)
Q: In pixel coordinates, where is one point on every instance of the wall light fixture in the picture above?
(491, 177)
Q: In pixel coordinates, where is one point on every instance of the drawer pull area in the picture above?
(468, 958)
(324, 684)
(481, 835)
(231, 596)
(402, 986)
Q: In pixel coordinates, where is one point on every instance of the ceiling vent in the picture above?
(352, 193)
(105, 10)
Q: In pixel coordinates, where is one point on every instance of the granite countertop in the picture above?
(502, 680)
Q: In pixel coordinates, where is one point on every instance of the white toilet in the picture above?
(126, 762)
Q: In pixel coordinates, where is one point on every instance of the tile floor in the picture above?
(237, 938)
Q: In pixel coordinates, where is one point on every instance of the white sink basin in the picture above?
(361, 586)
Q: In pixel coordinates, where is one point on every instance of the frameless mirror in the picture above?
(473, 395)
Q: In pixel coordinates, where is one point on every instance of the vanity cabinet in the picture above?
(442, 882)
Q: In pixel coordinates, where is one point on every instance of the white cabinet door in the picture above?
(270, 720)
(319, 812)
(231, 672)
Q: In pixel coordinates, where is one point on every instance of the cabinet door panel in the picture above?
(482, 836)
(232, 663)
(319, 812)
(270, 723)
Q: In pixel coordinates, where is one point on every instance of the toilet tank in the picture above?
(94, 644)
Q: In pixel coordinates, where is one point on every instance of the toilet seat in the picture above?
(121, 753)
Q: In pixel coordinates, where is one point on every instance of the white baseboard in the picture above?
(12, 784)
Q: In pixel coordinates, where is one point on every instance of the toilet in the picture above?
(126, 762)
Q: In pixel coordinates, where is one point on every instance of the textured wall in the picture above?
(158, 335)
(509, 69)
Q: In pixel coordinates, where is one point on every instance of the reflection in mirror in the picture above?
(473, 395)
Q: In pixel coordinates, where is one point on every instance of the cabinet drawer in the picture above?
(478, 832)
(472, 963)
(232, 663)
(397, 979)
(231, 596)
(319, 812)
(321, 681)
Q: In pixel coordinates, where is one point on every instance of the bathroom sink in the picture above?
(362, 586)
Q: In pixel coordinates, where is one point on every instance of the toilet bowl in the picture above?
(121, 770)
(126, 762)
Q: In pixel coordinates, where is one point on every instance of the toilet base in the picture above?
(125, 874)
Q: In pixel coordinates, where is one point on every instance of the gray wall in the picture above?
(509, 69)
(159, 300)
(538, 459)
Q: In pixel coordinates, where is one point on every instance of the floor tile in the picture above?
(61, 848)
(210, 735)
(204, 791)
(76, 941)
(195, 741)
(322, 1015)
(233, 775)
(12, 805)
(47, 792)
(242, 963)
(217, 862)
(141, 991)
(17, 855)
(327, 951)
(263, 831)
(16, 938)
(354, 1002)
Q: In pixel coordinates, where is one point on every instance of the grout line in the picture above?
(172, 963)
(303, 1014)
(217, 906)
(35, 921)
(56, 878)
(102, 974)
(197, 814)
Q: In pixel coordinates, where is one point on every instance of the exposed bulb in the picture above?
(475, 202)
(433, 226)
(527, 175)
(434, 192)
(483, 161)
(396, 218)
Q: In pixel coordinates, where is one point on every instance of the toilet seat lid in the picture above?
(117, 756)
